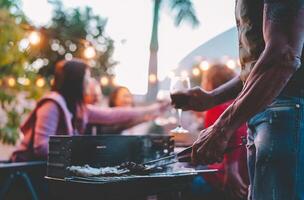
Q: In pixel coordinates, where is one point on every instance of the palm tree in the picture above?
(184, 12)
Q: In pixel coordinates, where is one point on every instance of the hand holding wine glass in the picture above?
(178, 84)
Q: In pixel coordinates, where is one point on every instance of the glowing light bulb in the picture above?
(204, 65)
(231, 64)
(89, 53)
(152, 78)
(34, 37)
(11, 82)
(196, 71)
(104, 81)
(40, 82)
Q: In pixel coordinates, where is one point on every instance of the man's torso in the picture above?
(249, 19)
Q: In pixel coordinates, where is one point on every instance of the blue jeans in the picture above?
(276, 151)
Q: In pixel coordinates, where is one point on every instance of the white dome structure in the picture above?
(224, 45)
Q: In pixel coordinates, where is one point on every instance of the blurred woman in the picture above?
(63, 111)
(234, 180)
(93, 94)
(122, 97)
(231, 181)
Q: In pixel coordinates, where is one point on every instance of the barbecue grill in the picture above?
(170, 184)
(104, 151)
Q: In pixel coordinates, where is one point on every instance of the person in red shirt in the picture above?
(231, 182)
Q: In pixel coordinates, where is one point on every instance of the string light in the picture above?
(104, 81)
(231, 64)
(196, 71)
(204, 65)
(152, 78)
(89, 52)
(34, 37)
(40, 82)
(11, 82)
(68, 56)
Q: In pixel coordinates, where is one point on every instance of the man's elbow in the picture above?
(290, 61)
(283, 57)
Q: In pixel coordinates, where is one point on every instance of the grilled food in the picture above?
(126, 168)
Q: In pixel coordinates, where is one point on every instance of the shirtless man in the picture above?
(269, 96)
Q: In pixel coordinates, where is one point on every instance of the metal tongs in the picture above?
(182, 156)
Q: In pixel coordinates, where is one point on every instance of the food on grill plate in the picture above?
(125, 168)
(133, 167)
(87, 171)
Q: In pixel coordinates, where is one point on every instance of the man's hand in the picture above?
(210, 146)
(195, 99)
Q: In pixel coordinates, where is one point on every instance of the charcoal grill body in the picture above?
(103, 151)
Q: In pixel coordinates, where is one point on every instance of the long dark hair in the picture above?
(69, 82)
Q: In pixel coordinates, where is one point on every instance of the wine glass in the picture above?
(178, 84)
(162, 96)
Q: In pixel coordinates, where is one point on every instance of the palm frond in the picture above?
(184, 12)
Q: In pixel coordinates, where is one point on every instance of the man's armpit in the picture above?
(282, 11)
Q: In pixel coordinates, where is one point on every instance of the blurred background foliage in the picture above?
(29, 53)
(75, 33)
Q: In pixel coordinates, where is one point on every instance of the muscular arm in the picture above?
(227, 91)
(284, 37)
(283, 33)
(198, 99)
